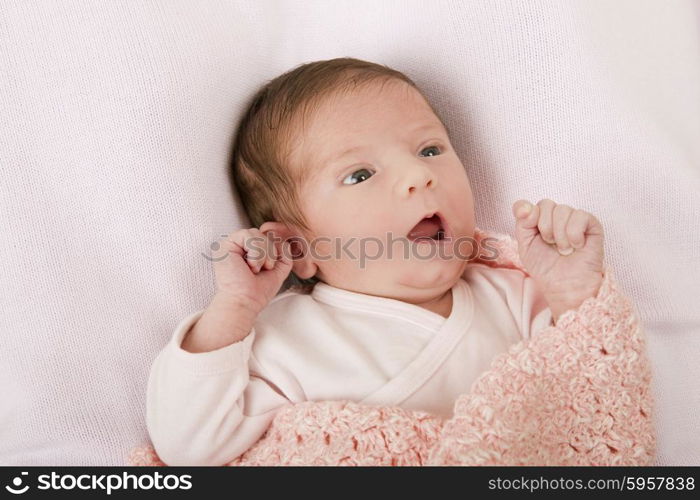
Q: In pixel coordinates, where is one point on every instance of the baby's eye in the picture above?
(432, 148)
(363, 175)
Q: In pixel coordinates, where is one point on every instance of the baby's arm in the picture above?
(208, 400)
(208, 408)
(223, 323)
(562, 249)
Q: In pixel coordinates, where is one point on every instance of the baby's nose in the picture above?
(419, 177)
(428, 184)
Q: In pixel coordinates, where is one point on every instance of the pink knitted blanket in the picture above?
(577, 393)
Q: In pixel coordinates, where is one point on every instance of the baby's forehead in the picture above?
(316, 127)
(341, 113)
(379, 93)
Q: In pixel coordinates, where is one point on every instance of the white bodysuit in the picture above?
(333, 344)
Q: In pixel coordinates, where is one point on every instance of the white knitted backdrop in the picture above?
(116, 126)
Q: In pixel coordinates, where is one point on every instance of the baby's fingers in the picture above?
(576, 228)
(560, 220)
(270, 251)
(526, 217)
(582, 225)
(256, 249)
(545, 224)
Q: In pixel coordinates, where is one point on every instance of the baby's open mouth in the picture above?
(431, 227)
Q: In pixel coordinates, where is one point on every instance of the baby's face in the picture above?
(379, 161)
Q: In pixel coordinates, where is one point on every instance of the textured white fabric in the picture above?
(334, 344)
(116, 124)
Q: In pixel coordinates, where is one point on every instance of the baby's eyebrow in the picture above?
(342, 155)
(429, 127)
(333, 159)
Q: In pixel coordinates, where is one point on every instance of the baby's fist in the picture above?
(559, 246)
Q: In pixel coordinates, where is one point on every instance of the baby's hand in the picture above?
(251, 267)
(562, 249)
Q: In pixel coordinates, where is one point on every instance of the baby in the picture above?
(354, 188)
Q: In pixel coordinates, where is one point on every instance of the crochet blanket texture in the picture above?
(578, 393)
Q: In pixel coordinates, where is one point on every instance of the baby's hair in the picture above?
(260, 167)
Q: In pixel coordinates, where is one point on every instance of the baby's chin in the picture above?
(425, 277)
(411, 280)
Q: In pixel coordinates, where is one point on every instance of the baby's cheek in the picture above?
(358, 253)
(321, 248)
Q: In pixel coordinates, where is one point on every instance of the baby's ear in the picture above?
(302, 263)
(280, 229)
